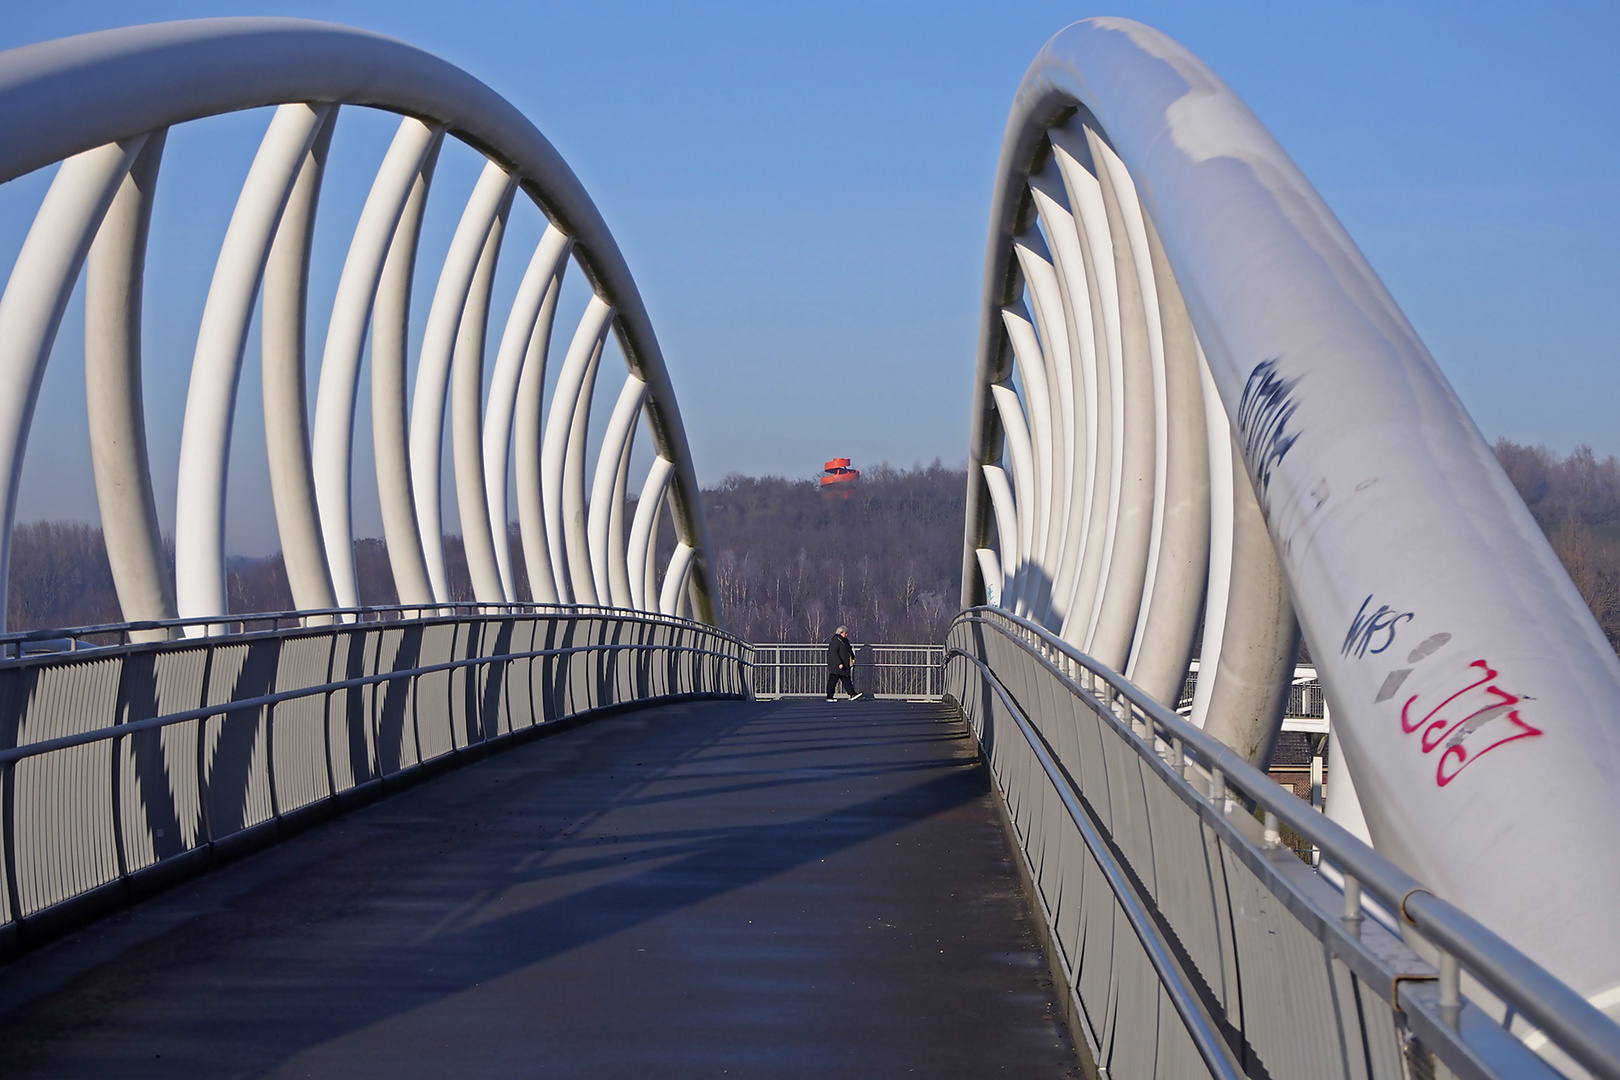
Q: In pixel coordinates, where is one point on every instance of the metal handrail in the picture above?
(404, 612)
(1566, 1018)
(780, 663)
(7, 756)
(615, 658)
(1201, 1028)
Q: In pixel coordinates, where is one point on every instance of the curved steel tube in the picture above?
(216, 369)
(286, 420)
(399, 176)
(1472, 691)
(506, 387)
(481, 221)
(113, 399)
(97, 89)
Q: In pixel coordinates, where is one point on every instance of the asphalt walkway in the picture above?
(701, 890)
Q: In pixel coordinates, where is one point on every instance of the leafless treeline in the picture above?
(60, 577)
(887, 561)
(792, 565)
(1576, 501)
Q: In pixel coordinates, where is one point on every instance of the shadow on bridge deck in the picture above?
(759, 889)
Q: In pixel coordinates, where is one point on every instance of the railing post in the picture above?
(1450, 1005)
(1450, 983)
(1351, 913)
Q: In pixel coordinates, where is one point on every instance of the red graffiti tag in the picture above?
(1452, 722)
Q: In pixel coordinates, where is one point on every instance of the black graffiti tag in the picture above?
(1365, 628)
(1263, 414)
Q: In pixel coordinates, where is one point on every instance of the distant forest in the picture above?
(887, 561)
(1576, 501)
(792, 565)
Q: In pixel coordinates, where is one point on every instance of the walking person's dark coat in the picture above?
(840, 664)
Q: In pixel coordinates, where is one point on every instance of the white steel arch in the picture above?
(102, 103)
(1256, 431)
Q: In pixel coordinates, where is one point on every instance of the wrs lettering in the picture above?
(1378, 627)
(1457, 726)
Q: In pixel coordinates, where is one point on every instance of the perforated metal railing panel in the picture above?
(1193, 941)
(115, 761)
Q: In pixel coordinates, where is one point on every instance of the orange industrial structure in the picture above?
(840, 479)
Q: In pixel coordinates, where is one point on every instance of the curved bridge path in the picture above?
(744, 888)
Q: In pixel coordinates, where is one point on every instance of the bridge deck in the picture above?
(764, 889)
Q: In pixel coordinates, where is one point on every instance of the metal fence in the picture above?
(1307, 704)
(1193, 943)
(881, 671)
(126, 765)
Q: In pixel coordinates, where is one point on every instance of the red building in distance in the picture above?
(839, 479)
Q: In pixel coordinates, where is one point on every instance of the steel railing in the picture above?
(125, 765)
(881, 671)
(1192, 941)
(1305, 710)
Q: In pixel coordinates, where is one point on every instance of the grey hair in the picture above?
(843, 630)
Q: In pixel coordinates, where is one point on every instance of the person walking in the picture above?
(841, 664)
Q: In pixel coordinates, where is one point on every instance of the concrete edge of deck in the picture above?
(59, 920)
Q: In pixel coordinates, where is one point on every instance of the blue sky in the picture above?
(802, 193)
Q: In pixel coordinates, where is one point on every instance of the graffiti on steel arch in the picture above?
(101, 106)
(1199, 416)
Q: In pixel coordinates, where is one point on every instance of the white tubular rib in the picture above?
(611, 461)
(1261, 637)
(494, 189)
(1006, 511)
(571, 381)
(117, 417)
(1129, 493)
(526, 455)
(1114, 617)
(1130, 209)
(1174, 596)
(1023, 471)
(1046, 298)
(990, 569)
(205, 438)
(466, 419)
(545, 267)
(643, 583)
(1218, 432)
(400, 174)
(286, 416)
(1069, 264)
(650, 586)
(1100, 296)
(576, 542)
(618, 547)
(390, 329)
(680, 568)
(1037, 401)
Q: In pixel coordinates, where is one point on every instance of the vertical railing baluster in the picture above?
(1351, 913)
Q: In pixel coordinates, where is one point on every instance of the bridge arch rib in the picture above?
(101, 104)
(1196, 406)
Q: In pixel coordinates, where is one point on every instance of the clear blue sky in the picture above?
(802, 193)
